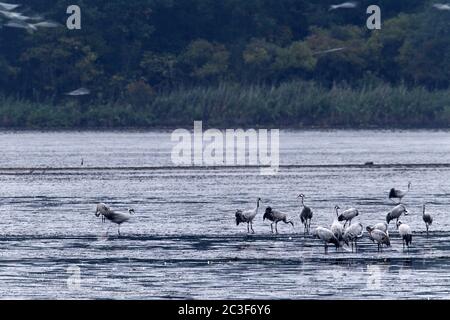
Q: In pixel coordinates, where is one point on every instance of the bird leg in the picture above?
(276, 227)
(248, 227)
(271, 227)
(251, 226)
(427, 230)
(118, 230)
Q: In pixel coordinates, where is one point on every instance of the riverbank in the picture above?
(295, 104)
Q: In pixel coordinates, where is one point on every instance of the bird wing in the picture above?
(8, 6)
(46, 24)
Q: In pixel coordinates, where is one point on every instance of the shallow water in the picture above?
(183, 242)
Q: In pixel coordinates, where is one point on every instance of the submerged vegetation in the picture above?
(156, 63)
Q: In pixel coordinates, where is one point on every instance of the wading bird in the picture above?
(119, 217)
(306, 215)
(427, 218)
(396, 213)
(276, 216)
(352, 234)
(327, 236)
(406, 233)
(399, 194)
(348, 216)
(247, 216)
(383, 226)
(337, 228)
(102, 209)
(380, 237)
(345, 5)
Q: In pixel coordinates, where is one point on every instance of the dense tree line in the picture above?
(132, 53)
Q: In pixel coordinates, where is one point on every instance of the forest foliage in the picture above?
(256, 62)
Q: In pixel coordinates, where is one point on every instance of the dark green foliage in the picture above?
(230, 62)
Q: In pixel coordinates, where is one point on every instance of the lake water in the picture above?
(183, 241)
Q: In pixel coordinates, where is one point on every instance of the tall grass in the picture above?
(291, 104)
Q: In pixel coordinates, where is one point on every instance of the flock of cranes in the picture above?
(341, 231)
(347, 233)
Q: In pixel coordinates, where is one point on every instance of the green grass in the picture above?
(292, 104)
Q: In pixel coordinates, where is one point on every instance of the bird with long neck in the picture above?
(427, 218)
(247, 216)
(306, 215)
(337, 228)
(399, 194)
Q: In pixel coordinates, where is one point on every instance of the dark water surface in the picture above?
(183, 242)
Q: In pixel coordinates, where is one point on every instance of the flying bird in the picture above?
(30, 27)
(306, 215)
(328, 51)
(14, 15)
(8, 6)
(247, 216)
(427, 218)
(79, 92)
(399, 194)
(345, 5)
(276, 216)
(442, 6)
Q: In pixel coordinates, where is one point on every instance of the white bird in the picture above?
(79, 92)
(442, 6)
(348, 215)
(345, 5)
(399, 194)
(8, 6)
(352, 234)
(14, 15)
(406, 233)
(276, 216)
(46, 24)
(396, 213)
(427, 218)
(306, 215)
(379, 237)
(30, 27)
(336, 227)
(328, 51)
(327, 236)
(119, 217)
(247, 216)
